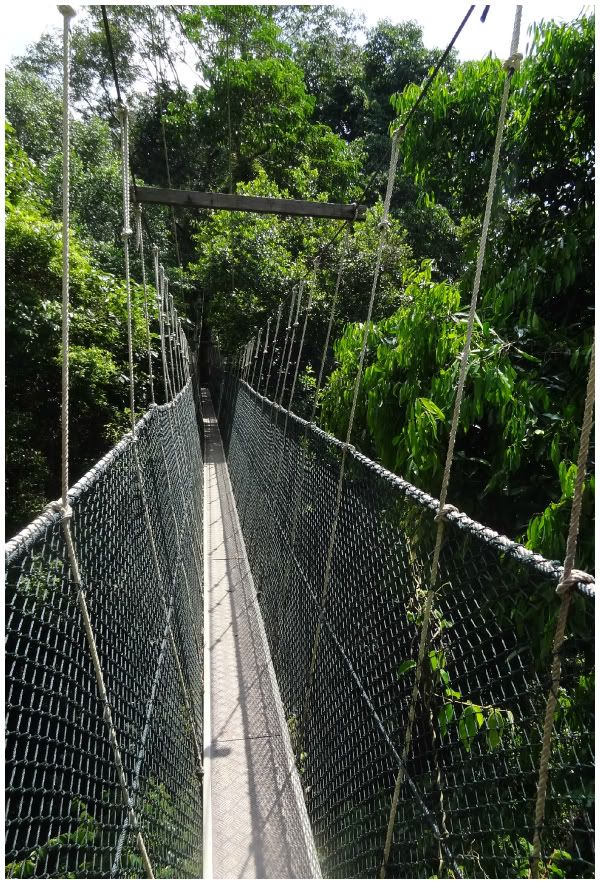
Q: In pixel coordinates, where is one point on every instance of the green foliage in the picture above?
(99, 374)
(524, 393)
(83, 837)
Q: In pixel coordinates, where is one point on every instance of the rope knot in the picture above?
(445, 511)
(513, 62)
(122, 111)
(126, 232)
(570, 581)
(384, 224)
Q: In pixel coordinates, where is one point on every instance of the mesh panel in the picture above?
(466, 805)
(64, 809)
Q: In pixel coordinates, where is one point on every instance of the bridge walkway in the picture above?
(255, 820)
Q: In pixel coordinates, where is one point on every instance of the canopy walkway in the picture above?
(240, 648)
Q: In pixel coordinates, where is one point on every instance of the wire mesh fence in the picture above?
(466, 804)
(65, 813)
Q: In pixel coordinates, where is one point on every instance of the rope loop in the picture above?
(570, 581)
(444, 512)
(513, 62)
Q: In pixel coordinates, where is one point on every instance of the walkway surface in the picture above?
(255, 820)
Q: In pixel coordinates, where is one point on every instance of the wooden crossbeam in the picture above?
(234, 202)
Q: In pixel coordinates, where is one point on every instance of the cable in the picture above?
(424, 90)
(116, 81)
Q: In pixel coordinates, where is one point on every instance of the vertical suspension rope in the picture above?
(303, 446)
(511, 65)
(139, 241)
(126, 232)
(158, 284)
(65, 509)
(264, 353)
(565, 590)
(279, 310)
(285, 342)
(293, 338)
(383, 228)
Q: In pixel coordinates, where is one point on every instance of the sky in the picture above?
(24, 23)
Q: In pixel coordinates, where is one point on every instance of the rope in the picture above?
(68, 14)
(300, 349)
(330, 325)
(383, 228)
(66, 511)
(125, 234)
(424, 90)
(264, 353)
(293, 338)
(255, 357)
(158, 273)
(297, 367)
(565, 588)
(303, 445)
(285, 341)
(275, 336)
(139, 242)
(450, 453)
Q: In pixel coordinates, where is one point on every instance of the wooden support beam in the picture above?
(235, 202)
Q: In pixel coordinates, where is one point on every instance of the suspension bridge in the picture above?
(238, 647)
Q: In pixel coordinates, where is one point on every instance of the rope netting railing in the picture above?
(104, 632)
(467, 799)
(65, 815)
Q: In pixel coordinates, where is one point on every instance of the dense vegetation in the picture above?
(298, 101)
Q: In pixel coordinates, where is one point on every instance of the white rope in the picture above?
(383, 228)
(139, 242)
(565, 589)
(158, 282)
(427, 608)
(279, 309)
(264, 353)
(285, 342)
(293, 338)
(125, 234)
(303, 446)
(68, 13)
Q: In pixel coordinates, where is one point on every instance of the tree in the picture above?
(98, 364)
(519, 427)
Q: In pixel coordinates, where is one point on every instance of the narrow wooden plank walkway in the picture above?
(255, 820)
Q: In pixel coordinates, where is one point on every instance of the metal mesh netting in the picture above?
(65, 815)
(466, 806)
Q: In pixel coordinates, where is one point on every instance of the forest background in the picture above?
(298, 101)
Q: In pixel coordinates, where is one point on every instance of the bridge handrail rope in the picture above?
(443, 507)
(65, 509)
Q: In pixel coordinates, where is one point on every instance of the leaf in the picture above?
(469, 723)
(431, 408)
(406, 667)
(495, 725)
(445, 716)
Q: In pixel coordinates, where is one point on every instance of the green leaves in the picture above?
(445, 715)
(469, 724)
(405, 667)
